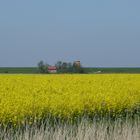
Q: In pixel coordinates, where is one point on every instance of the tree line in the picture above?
(62, 67)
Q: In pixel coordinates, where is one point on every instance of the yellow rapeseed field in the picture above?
(66, 96)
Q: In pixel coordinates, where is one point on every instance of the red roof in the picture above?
(52, 68)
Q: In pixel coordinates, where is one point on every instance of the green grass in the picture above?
(113, 70)
(26, 70)
(34, 70)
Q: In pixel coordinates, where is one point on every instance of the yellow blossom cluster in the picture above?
(66, 96)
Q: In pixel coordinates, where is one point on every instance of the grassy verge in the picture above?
(85, 129)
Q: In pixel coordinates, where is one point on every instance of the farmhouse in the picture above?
(52, 69)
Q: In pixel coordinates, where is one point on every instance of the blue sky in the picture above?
(99, 33)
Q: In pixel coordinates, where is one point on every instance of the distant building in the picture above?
(52, 69)
(77, 63)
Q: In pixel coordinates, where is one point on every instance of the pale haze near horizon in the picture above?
(98, 33)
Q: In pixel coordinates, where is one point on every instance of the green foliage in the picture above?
(68, 67)
(43, 68)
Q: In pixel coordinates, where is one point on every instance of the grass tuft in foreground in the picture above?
(86, 129)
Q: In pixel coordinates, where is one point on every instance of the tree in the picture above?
(64, 65)
(43, 68)
(59, 65)
(68, 67)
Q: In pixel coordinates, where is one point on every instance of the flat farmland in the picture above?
(28, 100)
(34, 70)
